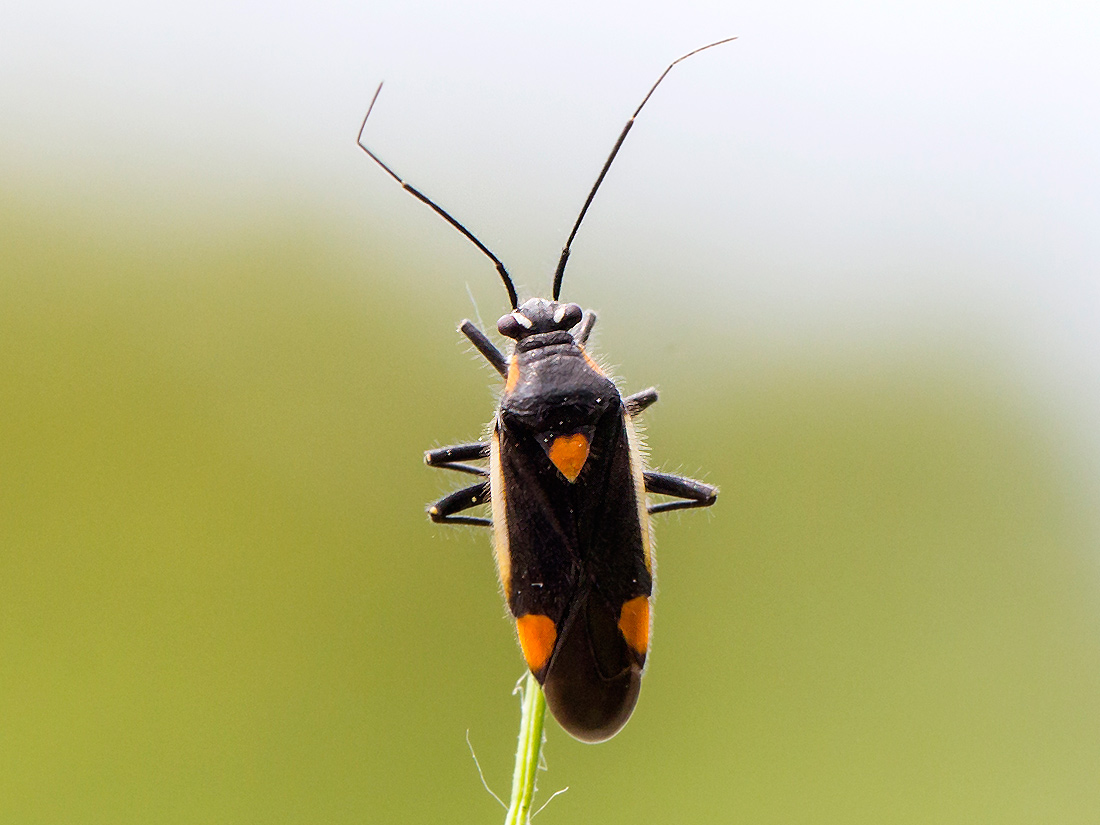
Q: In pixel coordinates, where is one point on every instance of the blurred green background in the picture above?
(856, 252)
(221, 601)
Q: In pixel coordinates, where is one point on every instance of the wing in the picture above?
(575, 562)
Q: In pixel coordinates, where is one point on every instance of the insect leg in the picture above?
(585, 328)
(693, 493)
(639, 401)
(448, 458)
(443, 511)
(485, 347)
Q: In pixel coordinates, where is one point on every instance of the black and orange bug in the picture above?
(567, 485)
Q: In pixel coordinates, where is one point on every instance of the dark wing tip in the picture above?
(594, 678)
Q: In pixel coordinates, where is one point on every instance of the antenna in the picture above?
(416, 193)
(560, 272)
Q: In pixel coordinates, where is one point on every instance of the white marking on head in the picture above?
(522, 320)
(559, 313)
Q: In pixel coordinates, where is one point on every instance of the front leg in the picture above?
(486, 347)
(693, 493)
(584, 328)
(443, 511)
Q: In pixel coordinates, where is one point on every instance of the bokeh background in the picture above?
(857, 251)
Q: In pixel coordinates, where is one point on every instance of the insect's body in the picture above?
(568, 485)
(571, 529)
(568, 488)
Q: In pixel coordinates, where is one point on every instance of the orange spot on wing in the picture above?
(568, 453)
(634, 623)
(537, 635)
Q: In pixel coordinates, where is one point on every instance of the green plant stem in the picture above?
(527, 753)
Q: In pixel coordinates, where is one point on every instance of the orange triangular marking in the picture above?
(634, 623)
(568, 453)
(537, 635)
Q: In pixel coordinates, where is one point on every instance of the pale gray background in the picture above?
(846, 173)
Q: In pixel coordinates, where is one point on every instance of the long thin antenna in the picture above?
(560, 272)
(416, 193)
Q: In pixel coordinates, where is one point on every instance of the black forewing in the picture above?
(568, 539)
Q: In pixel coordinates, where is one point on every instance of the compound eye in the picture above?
(567, 316)
(514, 325)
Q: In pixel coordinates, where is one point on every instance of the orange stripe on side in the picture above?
(591, 363)
(513, 375)
(637, 469)
(634, 623)
(498, 496)
(537, 635)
